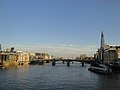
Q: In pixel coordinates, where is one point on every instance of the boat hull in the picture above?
(100, 71)
(100, 68)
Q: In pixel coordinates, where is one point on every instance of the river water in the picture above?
(59, 77)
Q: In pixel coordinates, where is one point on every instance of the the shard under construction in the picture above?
(107, 53)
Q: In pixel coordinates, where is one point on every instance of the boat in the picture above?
(100, 68)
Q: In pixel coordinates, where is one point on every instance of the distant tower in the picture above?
(102, 45)
(0, 48)
(12, 49)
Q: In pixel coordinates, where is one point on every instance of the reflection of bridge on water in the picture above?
(53, 61)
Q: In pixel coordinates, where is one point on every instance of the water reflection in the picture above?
(60, 77)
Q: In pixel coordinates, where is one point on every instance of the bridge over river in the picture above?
(53, 61)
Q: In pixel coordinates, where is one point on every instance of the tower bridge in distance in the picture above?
(53, 61)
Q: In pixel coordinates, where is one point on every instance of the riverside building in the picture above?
(107, 53)
(12, 57)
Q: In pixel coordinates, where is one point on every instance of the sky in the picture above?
(65, 28)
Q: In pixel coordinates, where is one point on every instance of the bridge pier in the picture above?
(68, 63)
(82, 63)
(63, 62)
(47, 61)
(53, 62)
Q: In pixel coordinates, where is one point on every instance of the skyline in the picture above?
(60, 27)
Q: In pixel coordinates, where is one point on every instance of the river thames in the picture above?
(59, 77)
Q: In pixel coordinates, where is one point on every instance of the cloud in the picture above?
(65, 50)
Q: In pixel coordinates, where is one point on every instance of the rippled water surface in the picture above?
(59, 77)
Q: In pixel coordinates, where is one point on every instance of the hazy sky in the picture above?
(59, 27)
